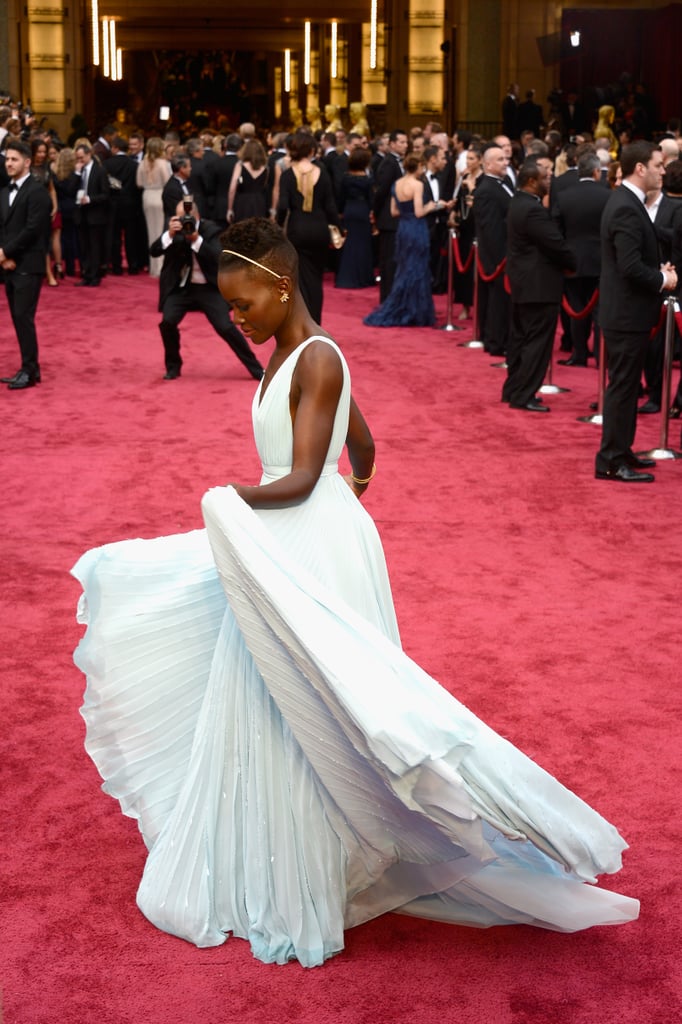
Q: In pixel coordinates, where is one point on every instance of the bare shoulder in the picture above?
(319, 363)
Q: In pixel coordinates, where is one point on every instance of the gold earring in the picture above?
(284, 297)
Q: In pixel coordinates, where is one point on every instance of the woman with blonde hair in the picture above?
(67, 183)
(153, 171)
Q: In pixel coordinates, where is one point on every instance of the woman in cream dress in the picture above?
(153, 171)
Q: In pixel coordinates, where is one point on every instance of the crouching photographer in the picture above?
(191, 248)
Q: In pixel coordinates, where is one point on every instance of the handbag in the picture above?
(336, 239)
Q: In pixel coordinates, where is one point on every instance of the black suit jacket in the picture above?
(217, 178)
(537, 252)
(580, 211)
(96, 212)
(663, 225)
(171, 196)
(122, 169)
(631, 281)
(388, 171)
(178, 256)
(436, 216)
(510, 113)
(559, 184)
(25, 226)
(491, 205)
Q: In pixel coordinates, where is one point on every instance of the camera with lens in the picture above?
(187, 221)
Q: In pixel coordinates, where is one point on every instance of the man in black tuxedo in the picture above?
(530, 117)
(218, 177)
(388, 171)
(631, 286)
(437, 221)
(140, 241)
(664, 209)
(91, 216)
(24, 232)
(491, 205)
(197, 187)
(189, 282)
(123, 191)
(579, 213)
(510, 112)
(537, 258)
(177, 186)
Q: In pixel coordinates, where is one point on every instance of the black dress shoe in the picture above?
(674, 412)
(21, 381)
(649, 407)
(634, 462)
(625, 475)
(172, 373)
(11, 380)
(572, 362)
(533, 406)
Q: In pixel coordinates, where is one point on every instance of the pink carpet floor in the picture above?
(547, 601)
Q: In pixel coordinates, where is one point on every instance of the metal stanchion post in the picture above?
(475, 342)
(598, 416)
(663, 451)
(448, 325)
(548, 388)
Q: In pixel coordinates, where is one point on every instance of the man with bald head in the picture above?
(491, 205)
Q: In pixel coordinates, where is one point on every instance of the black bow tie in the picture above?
(13, 187)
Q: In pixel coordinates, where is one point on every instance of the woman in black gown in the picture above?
(306, 203)
(466, 230)
(248, 194)
(356, 264)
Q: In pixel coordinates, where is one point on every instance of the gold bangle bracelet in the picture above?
(356, 480)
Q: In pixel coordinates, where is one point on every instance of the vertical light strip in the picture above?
(94, 17)
(287, 70)
(119, 63)
(112, 45)
(306, 54)
(105, 47)
(373, 35)
(334, 54)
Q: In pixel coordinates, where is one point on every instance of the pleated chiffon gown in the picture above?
(292, 771)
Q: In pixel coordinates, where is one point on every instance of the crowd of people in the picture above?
(389, 204)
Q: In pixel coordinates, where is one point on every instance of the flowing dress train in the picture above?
(292, 771)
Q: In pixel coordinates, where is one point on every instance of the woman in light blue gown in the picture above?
(292, 771)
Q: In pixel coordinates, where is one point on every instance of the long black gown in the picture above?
(308, 232)
(251, 197)
(356, 263)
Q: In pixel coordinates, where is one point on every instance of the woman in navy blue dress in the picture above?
(356, 263)
(409, 303)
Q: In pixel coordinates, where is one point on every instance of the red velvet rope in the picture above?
(462, 267)
(583, 312)
(661, 321)
(507, 284)
(496, 272)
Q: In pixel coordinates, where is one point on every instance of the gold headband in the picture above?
(231, 252)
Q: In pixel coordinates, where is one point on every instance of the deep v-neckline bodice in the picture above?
(263, 391)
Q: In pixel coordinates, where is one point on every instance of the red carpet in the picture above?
(547, 601)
